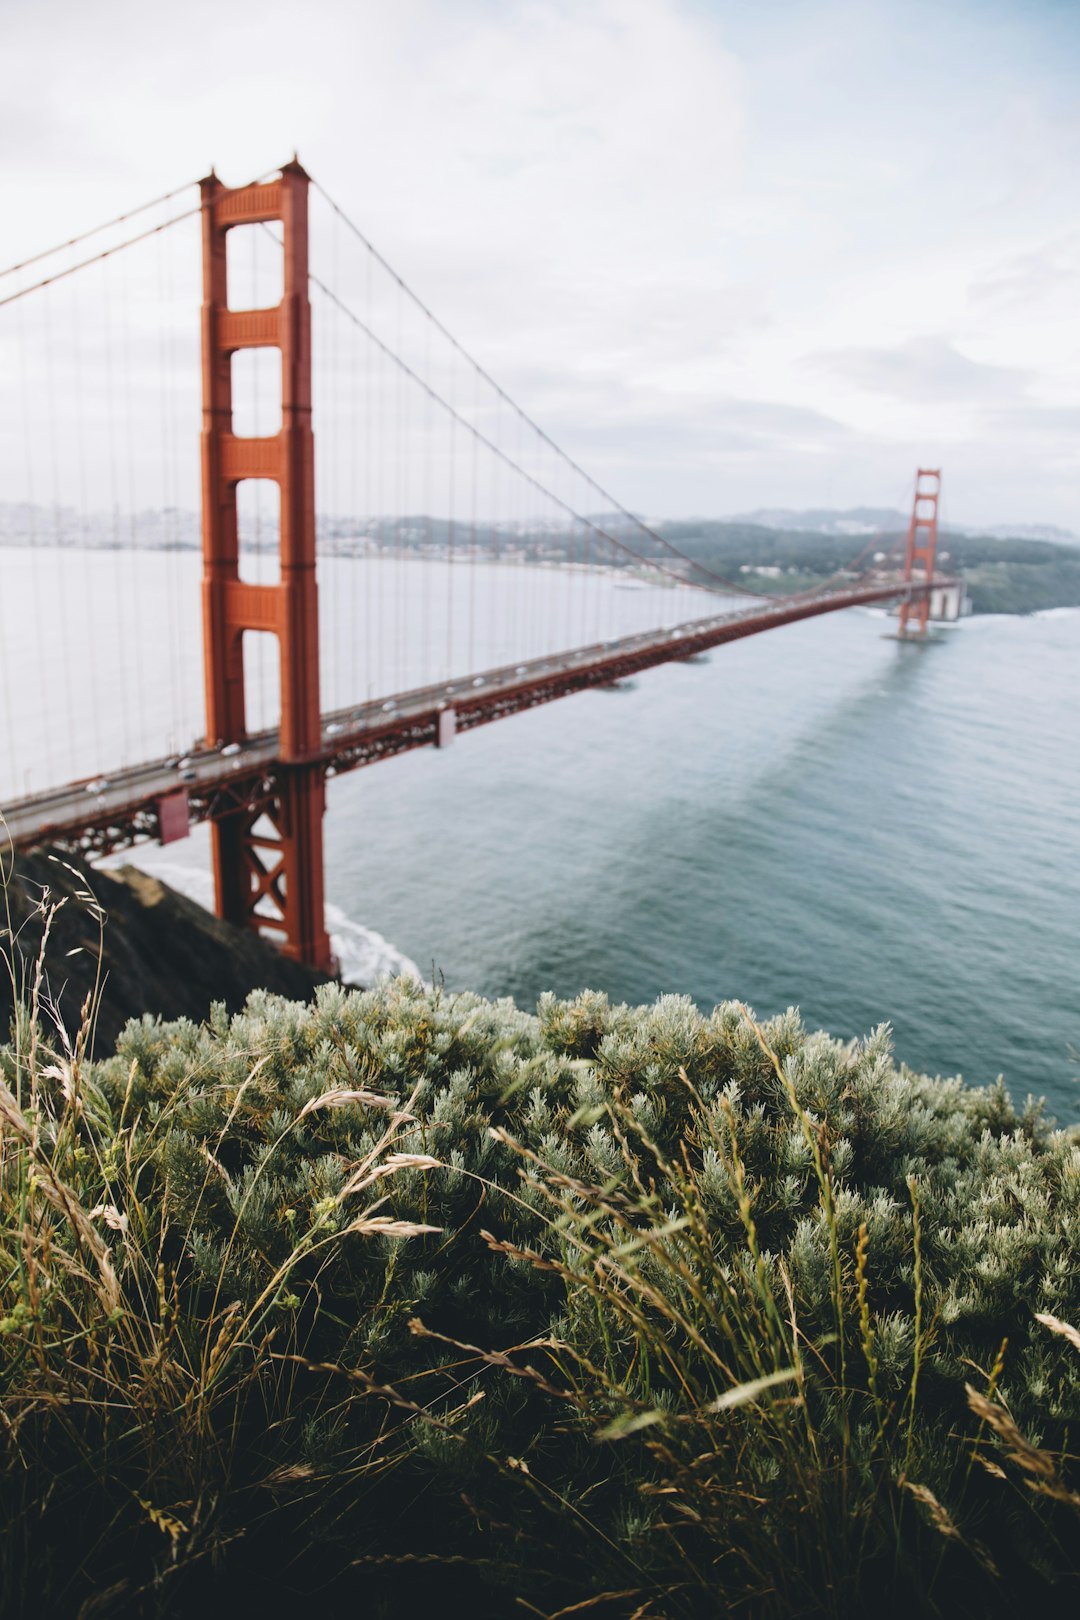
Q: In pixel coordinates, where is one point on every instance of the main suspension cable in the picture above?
(611, 500)
(96, 230)
(96, 258)
(406, 370)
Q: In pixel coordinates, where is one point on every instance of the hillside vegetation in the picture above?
(129, 936)
(1003, 576)
(411, 1298)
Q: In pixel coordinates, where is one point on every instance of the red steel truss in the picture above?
(268, 866)
(133, 806)
(921, 550)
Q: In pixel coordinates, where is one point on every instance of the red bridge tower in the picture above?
(268, 862)
(921, 548)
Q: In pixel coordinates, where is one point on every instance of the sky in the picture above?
(729, 254)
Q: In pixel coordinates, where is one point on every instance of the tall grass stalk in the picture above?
(779, 1473)
(139, 1399)
(626, 1312)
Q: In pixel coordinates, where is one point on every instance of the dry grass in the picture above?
(685, 1438)
(155, 1416)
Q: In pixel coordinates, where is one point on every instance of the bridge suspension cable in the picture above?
(96, 230)
(715, 579)
(96, 258)
(96, 508)
(452, 470)
(721, 580)
(489, 444)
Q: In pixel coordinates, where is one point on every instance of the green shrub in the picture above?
(635, 1302)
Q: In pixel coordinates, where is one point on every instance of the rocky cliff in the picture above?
(149, 948)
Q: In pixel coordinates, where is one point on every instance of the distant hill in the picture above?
(855, 521)
(1029, 531)
(868, 520)
(1017, 569)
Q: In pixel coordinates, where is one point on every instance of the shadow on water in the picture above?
(849, 877)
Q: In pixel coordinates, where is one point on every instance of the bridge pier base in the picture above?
(268, 866)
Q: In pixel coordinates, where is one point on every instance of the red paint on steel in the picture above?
(247, 787)
(275, 882)
(174, 819)
(921, 548)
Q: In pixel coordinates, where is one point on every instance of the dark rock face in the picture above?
(159, 952)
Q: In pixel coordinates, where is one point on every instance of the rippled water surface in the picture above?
(817, 816)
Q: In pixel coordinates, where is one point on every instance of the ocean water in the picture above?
(818, 817)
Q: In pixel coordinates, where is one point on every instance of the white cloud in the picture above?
(643, 215)
(922, 370)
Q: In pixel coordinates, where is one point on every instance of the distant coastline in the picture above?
(1004, 574)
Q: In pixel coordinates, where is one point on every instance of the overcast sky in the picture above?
(731, 253)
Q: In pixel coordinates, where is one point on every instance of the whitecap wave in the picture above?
(364, 956)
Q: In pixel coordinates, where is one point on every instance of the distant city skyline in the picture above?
(729, 256)
(154, 527)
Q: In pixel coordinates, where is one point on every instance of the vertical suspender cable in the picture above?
(423, 676)
(355, 442)
(405, 535)
(525, 599)
(506, 577)
(471, 558)
(135, 561)
(131, 697)
(490, 627)
(332, 550)
(91, 626)
(382, 417)
(43, 730)
(395, 679)
(65, 634)
(569, 541)
(450, 537)
(370, 484)
(167, 530)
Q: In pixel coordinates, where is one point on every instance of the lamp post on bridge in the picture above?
(268, 858)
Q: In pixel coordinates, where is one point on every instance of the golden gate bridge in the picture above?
(398, 421)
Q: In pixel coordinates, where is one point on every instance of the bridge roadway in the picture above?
(102, 814)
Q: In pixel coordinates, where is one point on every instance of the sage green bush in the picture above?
(415, 1296)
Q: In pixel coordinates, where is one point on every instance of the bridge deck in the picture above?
(112, 812)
